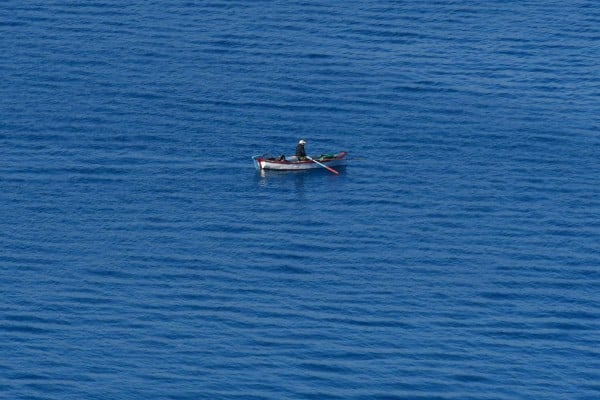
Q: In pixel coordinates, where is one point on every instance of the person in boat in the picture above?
(300, 152)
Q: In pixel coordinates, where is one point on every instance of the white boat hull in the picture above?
(292, 164)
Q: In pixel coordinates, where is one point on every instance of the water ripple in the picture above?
(455, 257)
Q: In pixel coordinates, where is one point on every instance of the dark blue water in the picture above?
(456, 257)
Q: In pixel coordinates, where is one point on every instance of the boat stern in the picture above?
(258, 162)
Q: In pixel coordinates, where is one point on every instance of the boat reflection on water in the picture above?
(283, 179)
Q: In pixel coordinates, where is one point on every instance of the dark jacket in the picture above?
(300, 151)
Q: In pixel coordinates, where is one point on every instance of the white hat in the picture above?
(301, 141)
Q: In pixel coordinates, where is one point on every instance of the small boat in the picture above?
(291, 163)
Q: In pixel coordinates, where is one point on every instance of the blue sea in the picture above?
(456, 256)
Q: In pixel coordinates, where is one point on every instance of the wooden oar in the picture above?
(323, 165)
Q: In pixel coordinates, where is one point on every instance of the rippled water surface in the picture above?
(455, 257)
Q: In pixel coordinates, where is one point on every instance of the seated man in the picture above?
(300, 152)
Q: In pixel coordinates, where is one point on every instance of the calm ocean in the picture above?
(457, 256)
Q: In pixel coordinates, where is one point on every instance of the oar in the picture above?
(323, 165)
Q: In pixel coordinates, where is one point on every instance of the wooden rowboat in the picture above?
(291, 163)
